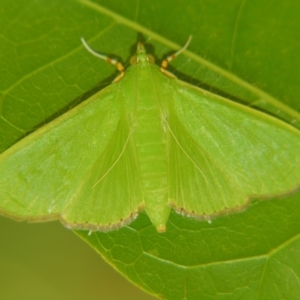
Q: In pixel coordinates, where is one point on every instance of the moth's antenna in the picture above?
(114, 62)
(166, 61)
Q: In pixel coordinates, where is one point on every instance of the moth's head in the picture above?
(141, 55)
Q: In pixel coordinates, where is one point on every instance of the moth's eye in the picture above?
(133, 60)
(150, 58)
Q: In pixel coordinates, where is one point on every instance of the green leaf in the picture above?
(148, 142)
(245, 51)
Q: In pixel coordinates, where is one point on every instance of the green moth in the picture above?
(152, 142)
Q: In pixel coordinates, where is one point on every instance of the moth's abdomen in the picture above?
(151, 150)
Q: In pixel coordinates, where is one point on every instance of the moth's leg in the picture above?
(114, 62)
(166, 61)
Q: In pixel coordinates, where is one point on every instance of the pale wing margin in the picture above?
(223, 153)
(41, 174)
